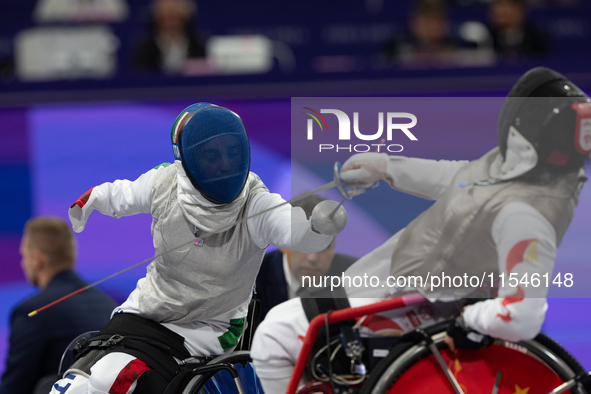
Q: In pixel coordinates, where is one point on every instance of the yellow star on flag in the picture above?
(519, 390)
(457, 366)
(532, 252)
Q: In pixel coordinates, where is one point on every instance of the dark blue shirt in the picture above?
(37, 343)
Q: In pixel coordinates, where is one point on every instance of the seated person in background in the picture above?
(514, 36)
(171, 40)
(428, 42)
(280, 276)
(36, 343)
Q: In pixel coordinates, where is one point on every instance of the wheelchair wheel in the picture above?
(535, 366)
(222, 382)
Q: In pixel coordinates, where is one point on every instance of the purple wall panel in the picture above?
(15, 193)
(13, 149)
(10, 259)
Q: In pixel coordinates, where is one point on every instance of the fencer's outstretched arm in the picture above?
(526, 247)
(420, 177)
(117, 199)
(283, 227)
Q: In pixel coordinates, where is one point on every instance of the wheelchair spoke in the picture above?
(563, 387)
(497, 383)
(238, 385)
(419, 333)
(446, 370)
(571, 383)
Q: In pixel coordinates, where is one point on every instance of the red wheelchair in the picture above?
(421, 363)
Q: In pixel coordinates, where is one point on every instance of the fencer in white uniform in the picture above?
(200, 290)
(503, 214)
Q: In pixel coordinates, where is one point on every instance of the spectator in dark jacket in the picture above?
(37, 343)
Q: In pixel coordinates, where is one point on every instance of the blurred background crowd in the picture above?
(89, 90)
(129, 43)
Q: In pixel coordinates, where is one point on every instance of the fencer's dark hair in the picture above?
(308, 203)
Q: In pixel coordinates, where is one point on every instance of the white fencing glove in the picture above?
(81, 210)
(364, 169)
(322, 223)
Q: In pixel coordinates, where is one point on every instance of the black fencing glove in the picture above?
(466, 338)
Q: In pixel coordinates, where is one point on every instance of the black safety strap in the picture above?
(132, 334)
(132, 325)
(322, 301)
(253, 319)
(316, 302)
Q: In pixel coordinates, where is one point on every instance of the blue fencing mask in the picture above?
(212, 145)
